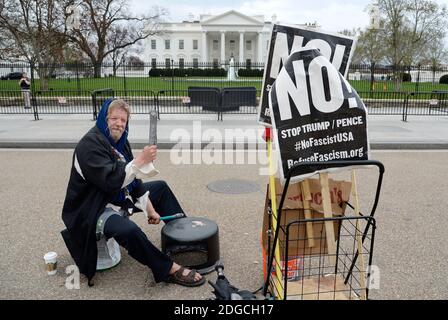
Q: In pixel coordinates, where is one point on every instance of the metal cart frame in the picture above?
(368, 219)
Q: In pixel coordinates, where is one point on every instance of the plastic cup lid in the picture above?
(50, 255)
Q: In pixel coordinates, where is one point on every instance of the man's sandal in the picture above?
(188, 280)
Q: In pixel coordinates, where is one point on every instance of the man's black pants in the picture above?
(131, 237)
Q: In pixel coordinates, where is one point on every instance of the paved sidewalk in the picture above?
(410, 244)
(243, 131)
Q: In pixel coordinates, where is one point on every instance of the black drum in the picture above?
(192, 242)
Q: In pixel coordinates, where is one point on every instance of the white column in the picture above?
(241, 47)
(204, 47)
(223, 47)
(260, 48)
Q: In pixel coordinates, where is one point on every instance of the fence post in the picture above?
(124, 78)
(78, 82)
(418, 78)
(372, 78)
(94, 105)
(156, 101)
(172, 75)
(33, 93)
(220, 113)
(405, 107)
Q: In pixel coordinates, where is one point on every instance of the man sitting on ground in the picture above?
(105, 185)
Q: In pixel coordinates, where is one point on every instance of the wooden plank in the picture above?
(329, 229)
(278, 269)
(304, 188)
(327, 287)
(358, 237)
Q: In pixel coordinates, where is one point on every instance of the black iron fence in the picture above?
(178, 75)
(425, 103)
(205, 100)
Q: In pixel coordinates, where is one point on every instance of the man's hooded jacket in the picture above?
(96, 179)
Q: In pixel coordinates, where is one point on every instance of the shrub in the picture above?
(444, 79)
(190, 72)
(406, 77)
(250, 73)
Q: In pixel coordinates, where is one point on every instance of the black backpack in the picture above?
(223, 290)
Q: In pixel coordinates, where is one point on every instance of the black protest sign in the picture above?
(317, 115)
(338, 49)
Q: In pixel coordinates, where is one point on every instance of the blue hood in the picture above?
(101, 123)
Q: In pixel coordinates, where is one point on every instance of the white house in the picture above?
(212, 39)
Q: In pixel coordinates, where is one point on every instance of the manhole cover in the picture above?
(233, 186)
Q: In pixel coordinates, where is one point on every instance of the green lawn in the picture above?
(179, 83)
(144, 83)
(389, 86)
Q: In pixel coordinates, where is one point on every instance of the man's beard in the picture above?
(116, 134)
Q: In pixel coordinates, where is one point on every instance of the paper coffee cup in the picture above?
(51, 262)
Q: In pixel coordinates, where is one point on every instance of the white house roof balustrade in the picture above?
(213, 38)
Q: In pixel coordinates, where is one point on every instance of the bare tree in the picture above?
(119, 35)
(409, 25)
(135, 63)
(394, 15)
(436, 54)
(99, 20)
(6, 45)
(371, 50)
(31, 31)
(428, 23)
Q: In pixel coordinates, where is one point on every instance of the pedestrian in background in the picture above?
(25, 87)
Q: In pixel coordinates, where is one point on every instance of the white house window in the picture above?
(195, 44)
(195, 63)
(153, 44)
(167, 44)
(249, 45)
(232, 44)
(267, 45)
(181, 63)
(215, 45)
(215, 63)
(153, 63)
(181, 44)
(167, 63)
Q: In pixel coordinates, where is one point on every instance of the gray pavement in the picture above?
(410, 247)
(63, 131)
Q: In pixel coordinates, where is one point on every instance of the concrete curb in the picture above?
(235, 146)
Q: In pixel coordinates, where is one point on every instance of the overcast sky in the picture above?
(330, 14)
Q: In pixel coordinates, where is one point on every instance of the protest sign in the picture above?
(285, 40)
(316, 115)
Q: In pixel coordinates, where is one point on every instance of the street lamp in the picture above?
(375, 26)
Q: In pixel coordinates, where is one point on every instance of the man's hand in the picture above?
(149, 154)
(153, 218)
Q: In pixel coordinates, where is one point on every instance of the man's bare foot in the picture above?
(185, 272)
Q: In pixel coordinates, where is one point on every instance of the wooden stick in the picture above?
(358, 236)
(306, 198)
(328, 213)
(278, 271)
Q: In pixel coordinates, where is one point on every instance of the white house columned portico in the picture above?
(214, 39)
